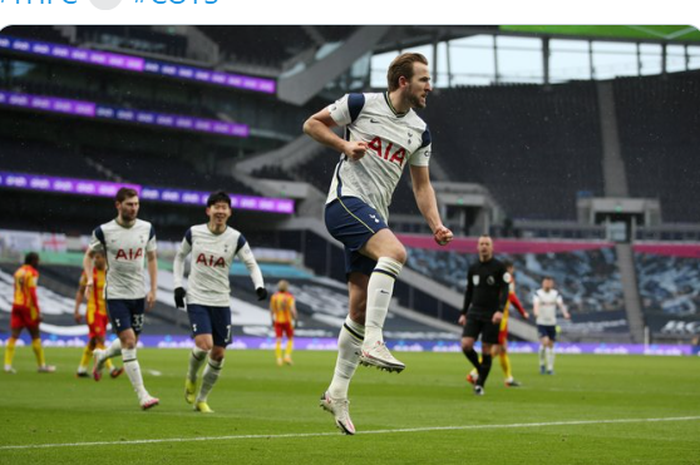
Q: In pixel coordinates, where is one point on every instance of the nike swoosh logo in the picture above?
(372, 120)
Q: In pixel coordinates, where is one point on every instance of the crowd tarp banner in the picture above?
(330, 344)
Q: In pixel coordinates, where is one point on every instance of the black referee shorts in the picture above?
(481, 325)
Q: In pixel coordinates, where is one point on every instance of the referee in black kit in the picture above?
(484, 302)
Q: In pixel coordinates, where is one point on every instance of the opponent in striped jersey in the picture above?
(283, 311)
(126, 242)
(383, 135)
(26, 313)
(212, 247)
(95, 316)
(544, 306)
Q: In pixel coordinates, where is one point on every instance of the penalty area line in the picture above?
(359, 433)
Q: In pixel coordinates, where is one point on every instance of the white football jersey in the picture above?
(548, 306)
(210, 262)
(125, 250)
(394, 140)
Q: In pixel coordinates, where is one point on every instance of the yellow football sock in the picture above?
(38, 352)
(278, 349)
(10, 351)
(290, 347)
(108, 363)
(85, 359)
(505, 365)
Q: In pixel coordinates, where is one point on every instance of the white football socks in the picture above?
(114, 350)
(550, 358)
(541, 355)
(349, 346)
(211, 374)
(133, 371)
(197, 358)
(379, 291)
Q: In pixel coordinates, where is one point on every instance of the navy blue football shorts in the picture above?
(205, 319)
(352, 222)
(126, 314)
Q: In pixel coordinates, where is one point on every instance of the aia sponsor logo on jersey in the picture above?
(129, 254)
(387, 151)
(210, 261)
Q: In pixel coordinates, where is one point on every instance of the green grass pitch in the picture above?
(266, 414)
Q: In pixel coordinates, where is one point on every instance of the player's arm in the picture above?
(536, 306)
(427, 203)
(97, 242)
(152, 258)
(512, 298)
(88, 271)
(467, 299)
(179, 269)
(293, 309)
(562, 307)
(272, 311)
(504, 291)
(246, 256)
(32, 293)
(319, 125)
(79, 296)
(153, 275)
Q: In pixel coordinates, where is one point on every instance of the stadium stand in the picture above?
(658, 122)
(588, 280)
(526, 144)
(669, 285)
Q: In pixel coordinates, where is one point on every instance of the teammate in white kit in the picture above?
(382, 135)
(544, 307)
(212, 247)
(126, 241)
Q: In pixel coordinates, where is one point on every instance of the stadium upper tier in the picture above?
(529, 145)
(659, 126)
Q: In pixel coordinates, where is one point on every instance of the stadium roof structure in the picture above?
(412, 36)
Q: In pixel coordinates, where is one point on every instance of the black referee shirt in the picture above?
(487, 288)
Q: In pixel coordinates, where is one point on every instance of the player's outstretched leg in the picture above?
(507, 371)
(542, 358)
(278, 352)
(550, 359)
(288, 351)
(379, 291)
(335, 399)
(209, 378)
(40, 359)
(10, 354)
(197, 358)
(133, 371)
(484, 371)
(85, 361)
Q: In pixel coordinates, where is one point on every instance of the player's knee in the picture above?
(205, 345)
(398, 253)
(217, 354)
(467, 345)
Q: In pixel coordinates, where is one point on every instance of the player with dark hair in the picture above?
(500, 350)
(283, 312)
(26, 314)
(484, 303)
(212, 247)
(126, 241)
(95, 315)
(383, 134)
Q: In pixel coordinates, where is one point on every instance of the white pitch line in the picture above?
(381, 431)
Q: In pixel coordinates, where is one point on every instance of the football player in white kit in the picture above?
(382, 135)
(544, 307)
(212, 247)
(126, 241)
